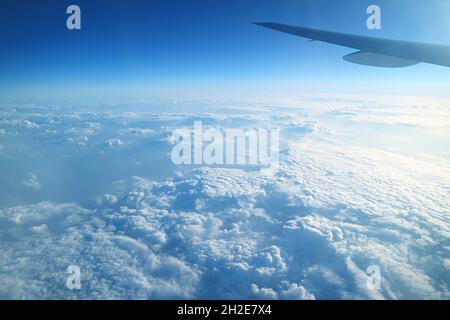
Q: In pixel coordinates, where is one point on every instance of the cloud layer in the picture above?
(345, 198)
(309, 231)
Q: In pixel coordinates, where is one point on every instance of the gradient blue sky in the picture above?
(164, 47)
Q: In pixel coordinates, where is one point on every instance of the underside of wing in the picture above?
(378, 60)
(373, 51)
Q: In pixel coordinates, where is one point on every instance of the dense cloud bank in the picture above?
(308, 231)
(357, 187)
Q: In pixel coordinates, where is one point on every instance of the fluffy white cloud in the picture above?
(396, 114)
(138, 131)
(21, 123)
(114, 142)
(309, 231)
(31, 181)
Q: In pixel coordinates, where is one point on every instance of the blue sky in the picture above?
(139, 48)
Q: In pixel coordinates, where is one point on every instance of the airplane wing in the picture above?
(376, 52)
